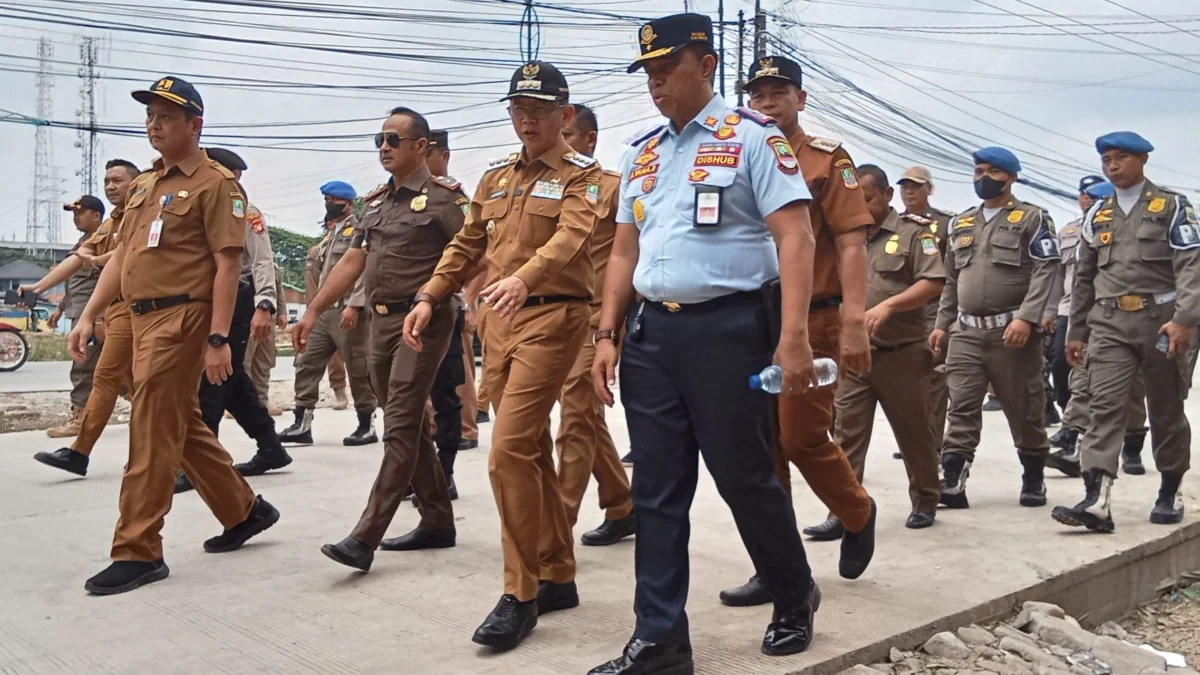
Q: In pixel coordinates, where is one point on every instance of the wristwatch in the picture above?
(218, 340)
(604, 335)
(267, 305)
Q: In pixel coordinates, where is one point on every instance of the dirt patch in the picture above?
(1172, 624)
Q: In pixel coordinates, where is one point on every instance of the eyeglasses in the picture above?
(538, 113)
(392, 139)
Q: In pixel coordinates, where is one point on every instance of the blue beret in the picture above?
(1000, 158)
(1123, 140)
(1100, 190)
(339, 190)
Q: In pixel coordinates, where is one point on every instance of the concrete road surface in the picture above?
(56, 376)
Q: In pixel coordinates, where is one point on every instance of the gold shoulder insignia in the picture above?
(375, 193)
(221, 169)
(501, 162)
(825, 144)
(581, 161)
(916, 218)
(447, 182)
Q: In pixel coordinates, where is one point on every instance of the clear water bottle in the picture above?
(770, 379)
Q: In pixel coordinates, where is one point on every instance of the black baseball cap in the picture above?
(540, 80)
(175, 90)
(440, 139)
(775, 67)
(86, 202)
(665, 36)
(226, 158)
(1088, 181)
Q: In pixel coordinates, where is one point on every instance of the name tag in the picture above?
(155, 233)
(547, 190)
(708, 206)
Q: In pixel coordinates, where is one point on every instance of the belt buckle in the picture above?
(672, 306)
(1131, 303)
(381, 309)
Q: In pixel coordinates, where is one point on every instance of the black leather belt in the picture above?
(386, 308)
(538, 300)
(738, 299)
(825, 303)
(146, 306)
(116, 300)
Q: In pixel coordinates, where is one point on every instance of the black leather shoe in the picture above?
(468, 444)
(919, 520)
(610, 532)
(365, 433)
(791, 632)
(896, 455)
(552, 597)
(125, 575)
(830, 530)
(509, 623)
(482, 417)
(351, 553)
(421, 538)
(65, 459)
(646, 658)
(182, 484)
(750, 594)
(627, 460)
(262, 516)
(263, 462)
(858, 548)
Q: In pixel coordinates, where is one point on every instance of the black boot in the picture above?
(1093, 512)
(65, 459)
(365, 433)
(266, 459)
(1033, 481)
(991, 404)
(1131, 452)
(182, 484)
(300, 432)
(955, 470)
(1066, 460)
(1168, 509)
(1060, 437)
(1052, 416)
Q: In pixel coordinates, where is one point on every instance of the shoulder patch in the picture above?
(756, 117)
(221, 169)
(825, 144)
(1185, 231)
(447, 182)
(501, 162)
(375, 193)
(1044, 244)
(581, 161)
(644, 135)
(256, 221)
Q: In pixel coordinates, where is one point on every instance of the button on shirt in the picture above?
(757, 173)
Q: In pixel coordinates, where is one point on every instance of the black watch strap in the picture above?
(218, 340)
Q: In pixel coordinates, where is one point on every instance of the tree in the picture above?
(290, 250)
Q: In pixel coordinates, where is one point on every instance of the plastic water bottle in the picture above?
(1164, 344)
(770, 379)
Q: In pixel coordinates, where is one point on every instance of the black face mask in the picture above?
(989, 188)
(333, 210)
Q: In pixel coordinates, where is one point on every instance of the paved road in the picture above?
(56, 376)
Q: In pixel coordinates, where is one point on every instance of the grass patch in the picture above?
(47, 347)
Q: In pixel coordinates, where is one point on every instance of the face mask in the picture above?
(989, 188)
(334, 210)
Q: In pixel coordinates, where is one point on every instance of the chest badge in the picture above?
(648, 184)
(418, 203)
(639, 210)
(1015, 217)
(1157, 205)
(551, 189)
(1106, 238)
(724, 133)
(891, 248)
(965, 240)
(182, 194)
(348, 231)
(491, 228)
(697, 175)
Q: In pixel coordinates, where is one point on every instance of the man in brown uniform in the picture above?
(1000, 270)
(531, 221)
(343, 330)
(916, 186)
(906, 272)
(839, 216)
(178, 265)
(405, 226)
(313, 263)
(585, 448)
(114, 367)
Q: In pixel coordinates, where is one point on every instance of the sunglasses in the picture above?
(392, 139)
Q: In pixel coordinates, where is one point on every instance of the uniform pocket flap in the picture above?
(549, 208)
(494, 209)
(890, 263)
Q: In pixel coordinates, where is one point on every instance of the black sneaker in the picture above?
(65, 459)
(955, 470)
(365, 433)
(262, 516)
(509, 623)
(300, 432)
(263, 462)
(1033, 481)
(553, 597)
(1168, 508)
(125, 575)
(1094, 511)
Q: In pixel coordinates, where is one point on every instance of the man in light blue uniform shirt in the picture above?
(713, 209)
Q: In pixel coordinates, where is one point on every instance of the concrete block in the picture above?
(947, 645)
(1031, 653)
(896, 656)
(1032, 607)
(1124, 658)
(1057, 631)
(1113, 630)
(974, 635)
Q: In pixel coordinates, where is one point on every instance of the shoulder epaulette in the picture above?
(942, 212)
(755, 116)
(221, 169)
(581, 161)
(614, 174)
(824, 144)
(504, 161)
(916, 218)
(644, 135)
(375, 193)
(447, 182)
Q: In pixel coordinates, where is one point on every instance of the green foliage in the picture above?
(357, 207)
(290, 250)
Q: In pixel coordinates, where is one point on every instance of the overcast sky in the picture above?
(975, 68)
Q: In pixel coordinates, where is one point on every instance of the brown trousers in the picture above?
(327, 339)
(403, 379)
(81, 377)
(260, 359)
(805, 421)
(114, 369)
(939, 401)
(337, 371)
(466, 390)
(899, 381)
(167, 432)
(529, 359)
(585, 448)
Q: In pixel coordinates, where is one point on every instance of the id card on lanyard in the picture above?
(156, 225)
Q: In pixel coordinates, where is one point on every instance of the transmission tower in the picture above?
(43, 218)
(86, 114)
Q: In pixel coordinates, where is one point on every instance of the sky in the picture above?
(900, 82)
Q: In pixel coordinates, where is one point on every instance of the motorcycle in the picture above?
(14, 348)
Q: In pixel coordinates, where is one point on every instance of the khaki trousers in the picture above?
(326, 339)
(113, 369)
(260, 359)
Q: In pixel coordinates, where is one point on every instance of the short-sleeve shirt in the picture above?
(606, 229)
(81, 284)
(203, 211)
(737, 154)
(901, 252)
(838, 205)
